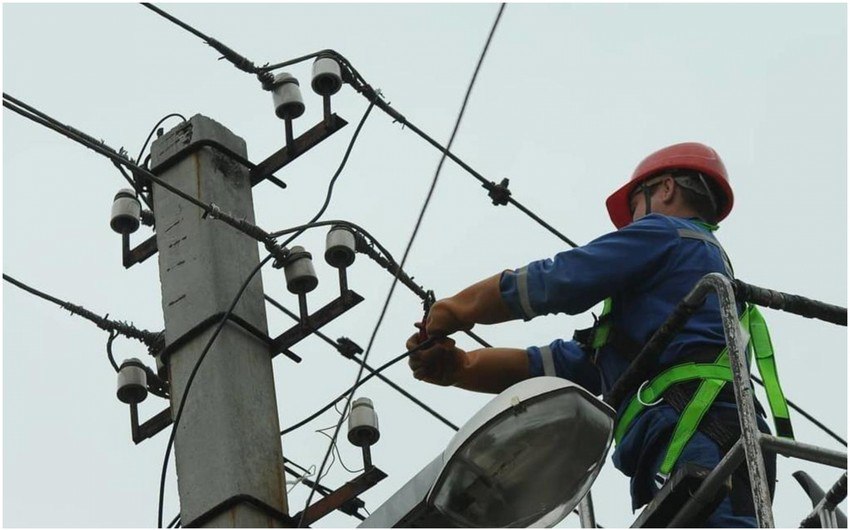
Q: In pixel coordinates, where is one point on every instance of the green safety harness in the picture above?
(714, 377)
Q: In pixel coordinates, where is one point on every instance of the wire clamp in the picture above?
(347, 347)
(499, 193)
(213, 213)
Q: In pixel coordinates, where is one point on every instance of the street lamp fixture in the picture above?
(525, 459)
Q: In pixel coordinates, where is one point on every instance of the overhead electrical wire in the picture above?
(153, 340)
(407, 249)
(33, 114)
(211, 210)
(358, 384)
(336, 345)
(132, 182)
(153, 130)
(260, 71)
(498, 192)
(232, 306)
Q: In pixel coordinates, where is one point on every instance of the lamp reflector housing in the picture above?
(526, 459)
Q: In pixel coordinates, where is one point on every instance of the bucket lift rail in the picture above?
(648, 356)
(823, 515)
(749, 447)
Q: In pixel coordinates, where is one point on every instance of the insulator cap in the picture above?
(363, 423)
(327, 78)
(299, 272)
(339, 247)
(126, 212)
(288, 103)
(132, 382)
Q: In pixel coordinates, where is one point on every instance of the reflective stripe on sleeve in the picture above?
(522, 288)
(548, 361)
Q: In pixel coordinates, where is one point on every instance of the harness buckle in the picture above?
(641, 401)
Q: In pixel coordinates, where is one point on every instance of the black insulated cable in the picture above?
(498, 192)
(359, 383)
(153, 130)
(407, 249)
(371, 370)
(234, 58)
(148, 338)
(210, 210)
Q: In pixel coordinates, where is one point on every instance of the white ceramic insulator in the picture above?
(300, 275)
(288, 103)
(327, 77)
(126, 212)
(363, 423)
(132, 382)
(339, 247)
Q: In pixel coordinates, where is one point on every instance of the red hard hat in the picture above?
(689, 155)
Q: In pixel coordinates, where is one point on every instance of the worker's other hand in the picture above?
(440, 364)
(443, 319)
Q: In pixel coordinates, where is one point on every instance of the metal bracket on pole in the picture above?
(345, 493)
(150, 428)
(132, 256)
(312, 323)
(258, 173)
(298, 147)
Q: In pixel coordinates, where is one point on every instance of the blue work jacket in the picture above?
(647, 268)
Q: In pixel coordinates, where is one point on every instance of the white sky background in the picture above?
(570, 99)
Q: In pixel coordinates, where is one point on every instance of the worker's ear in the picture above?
(667, 190)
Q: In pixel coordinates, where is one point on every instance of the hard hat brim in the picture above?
(618, 204)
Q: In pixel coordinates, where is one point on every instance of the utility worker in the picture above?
(665, 215)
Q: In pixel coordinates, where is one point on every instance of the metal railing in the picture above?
(752, 442)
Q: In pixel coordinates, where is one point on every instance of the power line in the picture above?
(211, 210)
(384, 259)
(153, 130)
(339, 347)
(153, 341)
(498, 192)
(234, 58)
(407, 249)
(360, 383)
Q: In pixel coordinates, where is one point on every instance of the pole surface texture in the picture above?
(227, 448)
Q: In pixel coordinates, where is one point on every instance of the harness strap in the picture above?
(766, 362)
(689, 421)
(602, 331)
(693, 234)
(652, 392)
(714, 377)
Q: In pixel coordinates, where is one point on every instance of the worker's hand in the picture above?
(443, 319)
(440, 364)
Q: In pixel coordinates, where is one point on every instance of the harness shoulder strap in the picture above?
(766, 362)
(694, 234)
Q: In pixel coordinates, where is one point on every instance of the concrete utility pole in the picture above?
(227, 446)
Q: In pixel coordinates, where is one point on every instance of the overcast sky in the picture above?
(569, 100)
